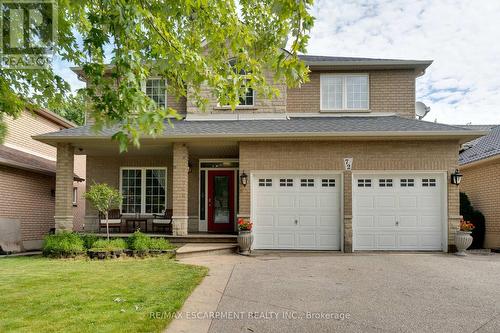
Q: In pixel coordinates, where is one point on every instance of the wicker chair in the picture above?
(114, 220)
(163, 221)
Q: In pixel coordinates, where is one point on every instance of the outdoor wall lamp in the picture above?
(456, 177)
(244, 179)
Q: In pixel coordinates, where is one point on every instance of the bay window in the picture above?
(144, 190)
(344, 92)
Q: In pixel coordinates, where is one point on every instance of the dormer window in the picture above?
(156, 89)
(340, 92)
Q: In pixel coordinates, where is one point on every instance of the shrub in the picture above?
(64, 244)
(159, 244)
(89, 240)
(139, 241)
(476, 218)
(110, 245)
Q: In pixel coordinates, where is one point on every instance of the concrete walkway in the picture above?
(296, 292)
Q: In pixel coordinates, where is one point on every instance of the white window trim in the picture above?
(75, 196)
(143, 187)
(344, 93)
(144, 83)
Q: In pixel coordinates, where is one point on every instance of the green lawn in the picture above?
(52, 295)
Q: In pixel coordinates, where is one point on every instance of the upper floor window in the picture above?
(248, 98)
(344, 91)
(156, 89)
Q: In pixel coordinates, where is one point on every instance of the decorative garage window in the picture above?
(429, 182)
(407, 182)
(265, 182)
(385, 182)
(328, 182)
(286, 182)
(143, 190)
(364, 183)
(307, 182)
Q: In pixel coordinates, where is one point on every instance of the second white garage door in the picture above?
(296, 211)
(398, 211)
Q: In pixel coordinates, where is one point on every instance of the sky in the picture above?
(461, 37)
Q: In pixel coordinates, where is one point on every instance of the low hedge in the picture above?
(64, 244)
(111, 245)
(69, 244)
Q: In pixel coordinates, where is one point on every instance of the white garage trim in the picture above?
(443, 180)
(338, 174)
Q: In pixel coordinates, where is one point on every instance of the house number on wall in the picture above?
(348, 163)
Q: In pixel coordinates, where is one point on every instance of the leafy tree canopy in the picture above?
(187, 42)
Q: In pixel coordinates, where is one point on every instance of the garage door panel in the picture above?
(307, 220)
(301, 198)
(265, 201)
(388, 221)
(408, 202)
(408, 221)
(385, 202)
(265, 220)
(286, 221)
(285, 240)
(414, 202)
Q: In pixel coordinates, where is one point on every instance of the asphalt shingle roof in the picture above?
(292, 126)
(484, 147)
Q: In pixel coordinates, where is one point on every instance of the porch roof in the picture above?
(382, 127)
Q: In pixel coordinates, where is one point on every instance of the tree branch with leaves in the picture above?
(104, 198)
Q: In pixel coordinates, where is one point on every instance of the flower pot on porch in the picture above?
(463, 240)
(245, 239)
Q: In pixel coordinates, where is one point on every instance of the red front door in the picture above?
(221, 201)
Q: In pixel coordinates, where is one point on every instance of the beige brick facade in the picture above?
(391, 91)
(375, 155)
(481, 182)
(64, 187)
(27, 197)
(180, 187)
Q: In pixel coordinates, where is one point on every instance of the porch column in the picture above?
(64, 188)
(347, 211)
(180, 190)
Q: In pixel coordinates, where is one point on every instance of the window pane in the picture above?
(332, 91)
(248, 98)
(156, 90)
(131, 191)
(155, 191)
(202, 195)
(357, 92)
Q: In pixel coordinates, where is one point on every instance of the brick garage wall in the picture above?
(26, 196)
(390, 91)
(375, 155)
(482, 184)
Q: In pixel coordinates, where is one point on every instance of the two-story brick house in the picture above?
(338, 164)
(27, 181)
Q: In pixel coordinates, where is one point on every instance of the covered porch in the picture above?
(169, 189)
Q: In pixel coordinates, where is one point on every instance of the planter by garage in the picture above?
(245, 239)
(463, 240)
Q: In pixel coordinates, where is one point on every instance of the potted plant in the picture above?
(245, 237)
(463, 238)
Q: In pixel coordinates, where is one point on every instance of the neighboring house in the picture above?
(282, 163)
(27, 181)
(480, 165)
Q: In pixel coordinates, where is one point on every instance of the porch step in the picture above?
(199, 249)
(202, 238)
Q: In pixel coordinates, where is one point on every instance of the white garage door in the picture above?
(398, 212)
(292, 211)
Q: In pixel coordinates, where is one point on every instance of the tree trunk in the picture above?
(107, 225)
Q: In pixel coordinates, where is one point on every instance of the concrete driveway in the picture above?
(356, 293)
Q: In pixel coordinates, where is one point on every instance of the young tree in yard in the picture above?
(104, 198)
(189, 43)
